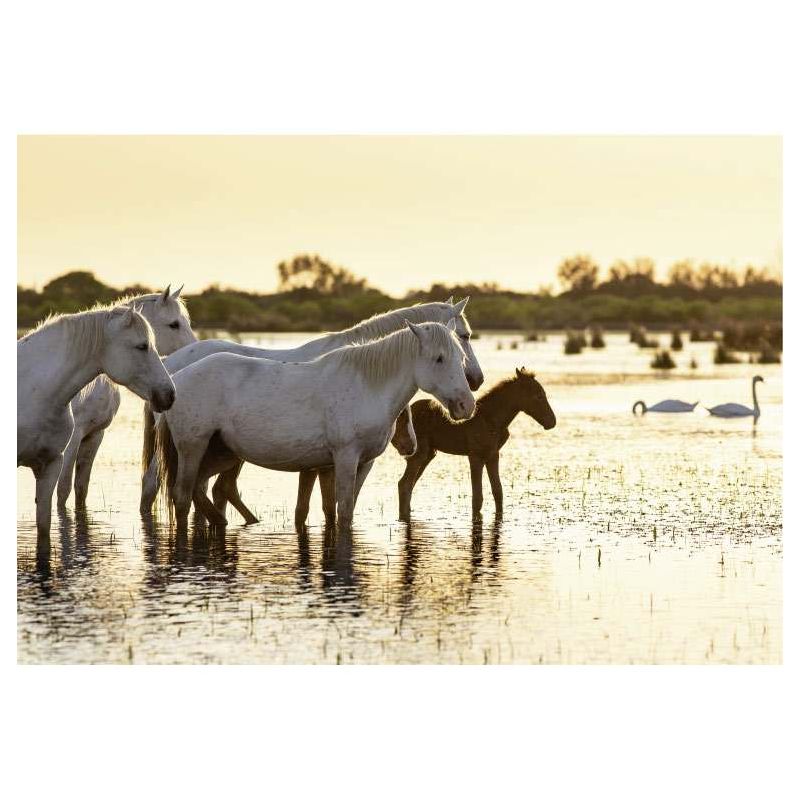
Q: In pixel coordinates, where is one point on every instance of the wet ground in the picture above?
(625, 540)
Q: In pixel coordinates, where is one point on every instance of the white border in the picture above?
(417, 67)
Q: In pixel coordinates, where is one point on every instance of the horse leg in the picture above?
(476, 473)
(150, 486)
(415, 466)
(361, 475)
(327, 488)
(189, 457)
(346, 468)
(46, 479)
(83, 469)
(493, 469)
(230, 489)
(68, 468)
(305, 486)
(204, 507)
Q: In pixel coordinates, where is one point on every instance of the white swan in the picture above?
(737, 409)
(666, 406)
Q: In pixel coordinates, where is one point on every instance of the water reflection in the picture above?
(686, 513)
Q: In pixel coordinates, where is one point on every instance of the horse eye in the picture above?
(174, 325)
(141, 347)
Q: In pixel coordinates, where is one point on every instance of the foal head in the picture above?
(169, 319)
(532, 399)
(439, 367)
(404, 439)
(129, 357)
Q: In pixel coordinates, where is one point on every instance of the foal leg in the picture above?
(305, 486)
(346, 467)
(68, 468)
(83, 471)
(327, 488)
(46, 479)
(493, 468)
(476, 473)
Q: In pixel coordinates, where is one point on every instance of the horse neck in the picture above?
(67, 368)
(500, 405)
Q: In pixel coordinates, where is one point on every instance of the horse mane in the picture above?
(381, 325)
(379, 359)
(87, 329)
(141, 299)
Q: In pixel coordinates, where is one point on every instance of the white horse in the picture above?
(373, 328)
(96, 405)
(338, 410)
(737, 409)
(55, 361)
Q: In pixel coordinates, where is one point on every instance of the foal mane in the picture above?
(503, 384)
(388, 322)
(86, 329)
(381, 358)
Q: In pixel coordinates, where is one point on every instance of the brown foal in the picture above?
(480, 438)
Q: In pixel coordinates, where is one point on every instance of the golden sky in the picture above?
(401, 211)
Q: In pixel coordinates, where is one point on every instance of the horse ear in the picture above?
(415, 329)
(127, 316)
(177, 293)
(520, 371)
(451, 325)
(165, 295)
(450, 300)
(459, 307)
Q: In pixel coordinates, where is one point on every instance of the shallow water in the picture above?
(624, 540)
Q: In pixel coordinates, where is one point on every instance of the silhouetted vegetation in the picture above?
(597, 341)
(574, 343)
(662, 360)
(316, 295)
(722, 355)
(676, 343)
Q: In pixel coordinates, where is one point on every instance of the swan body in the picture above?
(737, 409)
(666, 407)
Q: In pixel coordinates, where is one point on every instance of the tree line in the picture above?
(315, 295)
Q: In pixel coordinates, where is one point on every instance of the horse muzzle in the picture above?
(162, 399)
(475, 380)
(462, 407)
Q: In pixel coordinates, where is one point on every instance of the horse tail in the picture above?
(149, 439)
(167, 455)
(640, 403)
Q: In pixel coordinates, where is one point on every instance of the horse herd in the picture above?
(326, 409)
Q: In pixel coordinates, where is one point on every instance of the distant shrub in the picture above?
(574, 343)
(532, 336)
(676, 343)
(722, 355)
(693, 363)
(597, 340)
(662, 360)
(768, 355)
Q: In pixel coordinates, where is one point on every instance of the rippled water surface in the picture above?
(625, 540)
